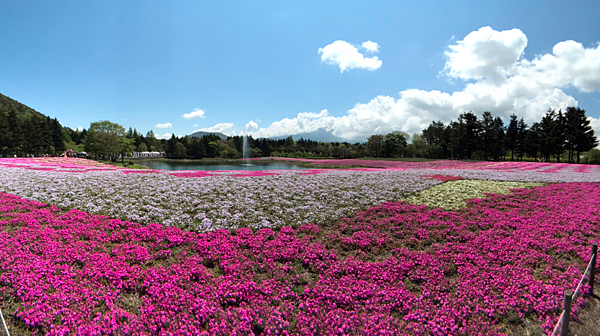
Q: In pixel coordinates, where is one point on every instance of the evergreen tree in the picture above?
(552, 135)
(579, 134)
(471, 134)
(522, 131)
(533, 141)
(16, 136)
(456, 135)
(511, 136)
(498, 129)
(4, 134)
(58, 140)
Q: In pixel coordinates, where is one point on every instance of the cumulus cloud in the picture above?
(195, 125)
(595, 123)
(197, 113)
(496, 77)
(347, 56)
(304, 122)
(485, 54)
(250, 126)
(166, 125)
(225, 128)
(570, 64)
(165, 136)
(370, 46)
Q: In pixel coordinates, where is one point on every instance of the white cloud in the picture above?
(165, 136)
(250, 126)
(595, 123)
(370, 46)
(347, 57)
(485, 54)
(79, 129)
(570, 64)
(167, 125)
(197, 113)
(499, 80)
(225, 128)
(195, 125)
(305, 122)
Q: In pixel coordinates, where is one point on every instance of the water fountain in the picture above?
(246, 151)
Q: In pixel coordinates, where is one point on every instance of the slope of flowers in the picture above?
(503, 166)
(394, 269)
(217, 202)
(452, 195)
(204, 202)
(56, 163)
(83, 165)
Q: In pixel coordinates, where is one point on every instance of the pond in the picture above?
(218, 165)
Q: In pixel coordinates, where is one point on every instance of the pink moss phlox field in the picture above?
(77, 165)
(467, 272)
(443, 178)
(503, 166)
(47, 163)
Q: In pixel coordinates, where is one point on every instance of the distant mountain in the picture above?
(200, 134)
(8, 104)
(321, 135)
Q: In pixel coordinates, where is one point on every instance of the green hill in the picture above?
(7, 104)
(25, 131)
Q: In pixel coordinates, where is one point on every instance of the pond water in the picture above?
(216, 165)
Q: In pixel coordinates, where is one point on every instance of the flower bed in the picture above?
(222, 201)
(393, 269)
(502, 166)
(453, 195)
(204, 201)
(84, 165)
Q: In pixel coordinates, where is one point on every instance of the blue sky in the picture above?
(274, 67)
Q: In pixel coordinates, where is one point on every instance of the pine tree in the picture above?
(510, 139)
(522, 132)
(4, 134)
(580, 135)
(58, 140)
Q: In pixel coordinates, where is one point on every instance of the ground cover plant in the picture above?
(454, 194)
(215, 202)
(394, 269)
(341, 259)
(204, 201)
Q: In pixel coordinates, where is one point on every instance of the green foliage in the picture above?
(74, 146)
(488, 138)
(579, 135)
(8, 105)
(26, 131)
(126, 147)
(395, 143)
(375, 144)
(213, 149)
(593, 156)
(557, 136)
(103, 139)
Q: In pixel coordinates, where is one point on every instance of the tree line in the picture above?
(559, 135)
(32, 134)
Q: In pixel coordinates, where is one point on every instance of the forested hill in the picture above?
(24, 130)
(8, 104)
